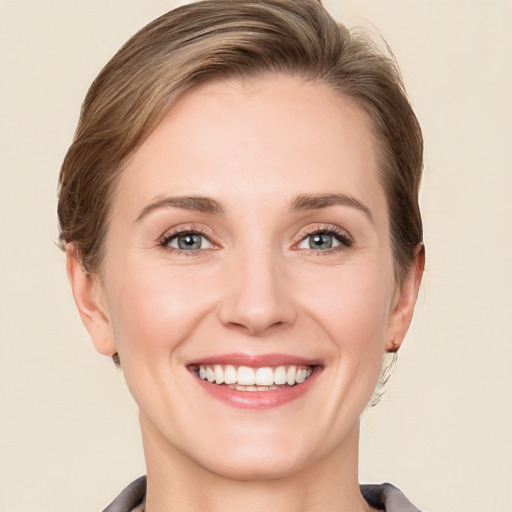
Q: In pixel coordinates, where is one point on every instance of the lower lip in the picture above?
(258, 400)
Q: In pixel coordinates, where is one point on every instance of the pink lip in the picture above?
(255, 361)
(256, 400)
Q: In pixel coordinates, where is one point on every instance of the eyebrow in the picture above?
(317, 201)
(300, 203)
(196, 203)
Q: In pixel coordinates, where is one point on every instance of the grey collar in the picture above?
(385, 497)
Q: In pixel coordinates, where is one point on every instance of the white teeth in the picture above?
(230, 374)
(290, 375)
(245, 378)
(300, 376)
(253, 388)
(246, 388)
(280, 375)
(219, 374)
(265, 376)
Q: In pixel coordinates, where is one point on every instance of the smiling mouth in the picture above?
(245, 378)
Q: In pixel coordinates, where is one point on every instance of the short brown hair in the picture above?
(222, 39)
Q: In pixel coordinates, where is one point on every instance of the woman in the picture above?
(240, 215)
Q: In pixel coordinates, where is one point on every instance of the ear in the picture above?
(404, 302)
(89, 295)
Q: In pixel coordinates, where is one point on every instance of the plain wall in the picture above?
(69, 437)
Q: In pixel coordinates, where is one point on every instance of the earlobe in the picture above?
(403, 309)
(90, 300)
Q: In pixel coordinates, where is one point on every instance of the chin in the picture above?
(250, 465)
(262, 454)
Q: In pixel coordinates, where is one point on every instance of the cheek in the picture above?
(353, 305)
(155, 311)
(157, 307)
(354, 314)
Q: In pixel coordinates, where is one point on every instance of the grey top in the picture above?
(385, 497)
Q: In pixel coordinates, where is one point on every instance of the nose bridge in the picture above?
(257, 297)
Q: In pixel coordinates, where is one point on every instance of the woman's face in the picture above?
(249, 243)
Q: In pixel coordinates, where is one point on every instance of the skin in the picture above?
(256, 287)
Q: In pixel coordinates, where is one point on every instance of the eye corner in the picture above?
(187, 240)
(333, 238)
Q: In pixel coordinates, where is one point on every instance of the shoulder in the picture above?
(131, 498)
(387, 497)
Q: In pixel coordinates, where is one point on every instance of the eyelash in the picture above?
(339, 234)
(187, 230)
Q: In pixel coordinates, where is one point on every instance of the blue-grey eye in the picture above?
(319, 242)
(189, 242)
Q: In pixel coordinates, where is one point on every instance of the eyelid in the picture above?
(341, 234)
(173, 233)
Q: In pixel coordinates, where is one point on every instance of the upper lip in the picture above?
(255, 360)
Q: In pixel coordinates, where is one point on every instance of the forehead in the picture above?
(277, 137)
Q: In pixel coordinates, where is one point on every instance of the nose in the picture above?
(259, 296)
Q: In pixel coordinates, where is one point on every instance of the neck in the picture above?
(177, 483)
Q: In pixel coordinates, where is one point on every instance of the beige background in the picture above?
(68, 429)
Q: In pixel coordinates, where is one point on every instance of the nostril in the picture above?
(258, 299)
(255, 327)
